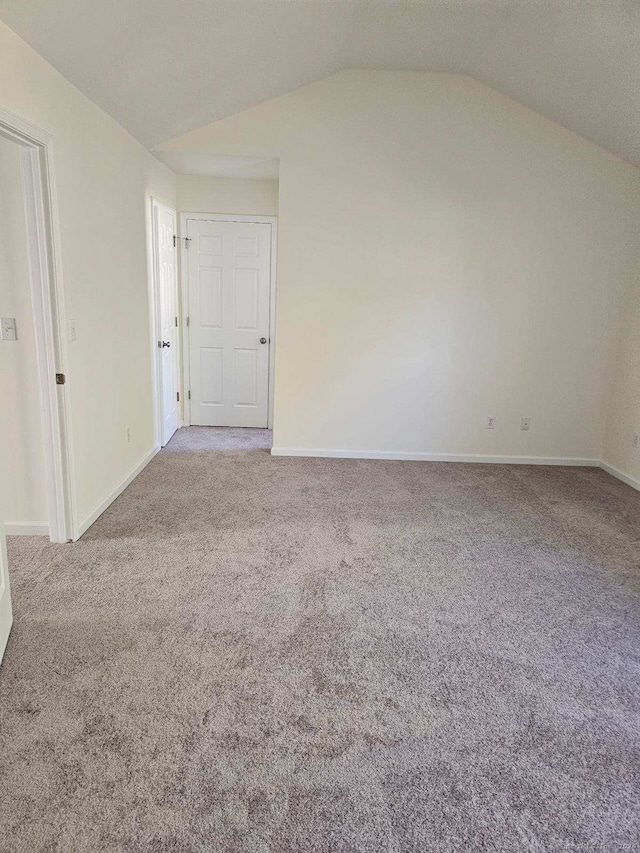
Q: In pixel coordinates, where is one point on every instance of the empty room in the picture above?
(320, 426)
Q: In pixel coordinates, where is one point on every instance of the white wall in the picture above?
(22, 486)
(104, 181)
(445, 254)
(200, 194)
(624, 406)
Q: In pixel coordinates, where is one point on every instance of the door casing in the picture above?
(47, 301)
(6, 613)
(226, 217)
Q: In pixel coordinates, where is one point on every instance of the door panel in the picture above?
(211, 371)
(246, 377)
(168, 313)
(211, 297)
(246, 288)
(6, 617)
(229, 281)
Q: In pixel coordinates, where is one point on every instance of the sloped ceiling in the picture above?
(162, 68)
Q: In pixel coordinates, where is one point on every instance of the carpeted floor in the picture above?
(265, 655)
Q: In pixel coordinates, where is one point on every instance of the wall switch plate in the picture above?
(128, 435)
(8, 329)
(525, 424)
(491, 422)
(72, 330)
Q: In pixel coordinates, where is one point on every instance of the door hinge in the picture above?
(178, 396)
(60, 378)
(187, 322)
(175, 240)
(188, 395)
(176, 321)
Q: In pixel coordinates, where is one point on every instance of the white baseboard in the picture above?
(620, 475)
(26, 528)
(86, 524)
(433, 457)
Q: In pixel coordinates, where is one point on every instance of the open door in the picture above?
(166, 298)
(6, 616)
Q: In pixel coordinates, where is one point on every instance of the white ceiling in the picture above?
(163, 67)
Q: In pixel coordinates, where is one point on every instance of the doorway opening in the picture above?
(226, 328)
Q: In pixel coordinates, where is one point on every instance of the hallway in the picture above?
(250, 654)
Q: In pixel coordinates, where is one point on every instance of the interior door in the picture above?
(6, 617)
(229, 278)
(168, 344)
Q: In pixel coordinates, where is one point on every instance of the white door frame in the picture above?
(6, 612)
(184, 278)
(45, 275)
(156, 322)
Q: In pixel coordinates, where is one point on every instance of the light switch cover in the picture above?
(8, 329)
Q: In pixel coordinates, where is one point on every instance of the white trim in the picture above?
(154, 307)
(184, 286)
(620, 475)
(20, 528)
(97, 512)
(23, 132)
(152, 277)
(272, 321)
(45, 276)
(6, 613)
(184, 328)
(433, 457)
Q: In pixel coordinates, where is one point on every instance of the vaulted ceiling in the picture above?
(163, 67)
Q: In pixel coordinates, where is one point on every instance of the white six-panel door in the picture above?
(168, 343)
(6, 617)
(229, 284)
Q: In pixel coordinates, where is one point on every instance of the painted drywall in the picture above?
(445, 255)
(22, 485)
(623, 425)
(201, 194)
(104, 180)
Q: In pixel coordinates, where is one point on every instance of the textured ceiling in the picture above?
(162, 68)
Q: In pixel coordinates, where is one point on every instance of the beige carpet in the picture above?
(265, 655)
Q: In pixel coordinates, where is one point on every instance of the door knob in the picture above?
(263, 340)
(166, 343)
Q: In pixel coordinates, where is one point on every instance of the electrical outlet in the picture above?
(635, 440)
(8, 329)
(128, 435)
(72, 330)
(491, 422)
(525, 424)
